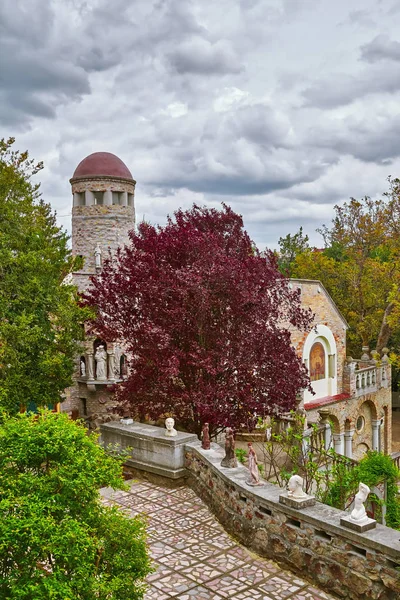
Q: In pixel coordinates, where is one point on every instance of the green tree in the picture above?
(289, 247)
(57, 540)
(39, 316)
(360, 267)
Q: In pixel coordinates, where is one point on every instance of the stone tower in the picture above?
(103, 210)
(103, 213)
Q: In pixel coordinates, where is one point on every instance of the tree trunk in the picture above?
(385, 331)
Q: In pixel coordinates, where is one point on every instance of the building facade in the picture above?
(353, 397)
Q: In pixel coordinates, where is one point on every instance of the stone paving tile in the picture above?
(158, 549)
(196, 559)
(150, 493)
(199, 593)
(226, 562)
(178, 560)
(281, 586)
(202, 551)
(184, 493)
(160, 571)
(155, 594)
(227, 586)
(202, 572)
(311, 594)
(174, 584)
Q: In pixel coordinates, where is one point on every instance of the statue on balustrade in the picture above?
(229, 460)
(205, 444)
(359, 514)
(252, 461)
(101, 362)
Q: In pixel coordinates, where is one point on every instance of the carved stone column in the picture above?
(338, 442)
(111, 365)
(348, 443)
(89, 365)
(376, 434)
(324, 414)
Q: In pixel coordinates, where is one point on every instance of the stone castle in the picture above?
(353, 397)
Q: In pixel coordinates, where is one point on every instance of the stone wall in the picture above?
(107, 226)
(310, 542)
(314, 296)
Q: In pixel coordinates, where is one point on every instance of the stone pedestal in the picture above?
(296, 502)
(151, 450)
(361, 527)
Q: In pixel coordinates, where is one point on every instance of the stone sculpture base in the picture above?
(297, 502)
(359, 527)
(253, 484)
(230, 463)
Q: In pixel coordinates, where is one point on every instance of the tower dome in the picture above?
(102, 164)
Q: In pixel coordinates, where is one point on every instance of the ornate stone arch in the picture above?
(320, 358)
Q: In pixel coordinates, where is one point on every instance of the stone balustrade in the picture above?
(361, 379)
(311, 541)
(366, 380)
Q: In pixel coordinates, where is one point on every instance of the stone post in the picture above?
(348, 443)
(124, 201)
(376, 434)
(338, 443)
(89, 365)
(89, 198)
(324, 414)
(111, 365)
(108, 198)
(349, 377)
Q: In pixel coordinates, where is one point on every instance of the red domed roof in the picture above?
(102, 163)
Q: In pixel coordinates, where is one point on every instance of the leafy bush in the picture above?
(241, 455)
(57, 541)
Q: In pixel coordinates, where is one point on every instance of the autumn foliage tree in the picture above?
(202, 314)
(360, 266)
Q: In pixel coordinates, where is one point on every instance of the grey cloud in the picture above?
(200, 56)
(370, 137)
(360, 17)
(380, 48)
(342, 89)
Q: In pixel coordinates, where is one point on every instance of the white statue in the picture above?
(101, 361)
(295, 488)
(359, 514)
(83, 368)
(97, 257)
(170, 427)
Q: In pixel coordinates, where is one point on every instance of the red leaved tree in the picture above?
(201, 313)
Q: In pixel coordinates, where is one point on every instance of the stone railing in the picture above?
(360, 379)
(310, 541)
(366, 380)
(395, 456)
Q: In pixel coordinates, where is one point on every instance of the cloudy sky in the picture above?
(280, 108)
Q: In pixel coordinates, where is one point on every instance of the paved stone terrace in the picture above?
(196, 559)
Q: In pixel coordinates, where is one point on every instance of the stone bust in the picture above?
(170, 430)
(295, 488)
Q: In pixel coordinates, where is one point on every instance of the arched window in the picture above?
(317, 362)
